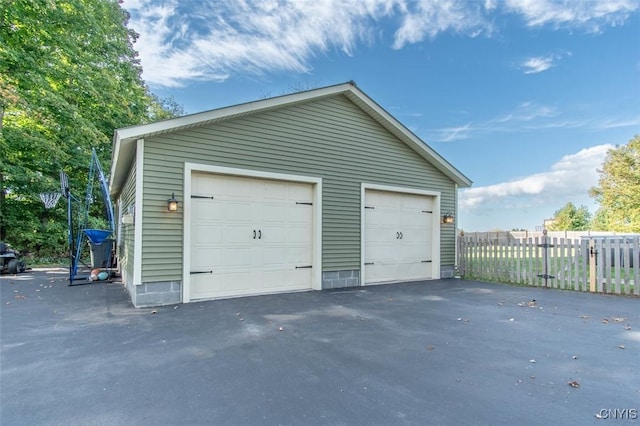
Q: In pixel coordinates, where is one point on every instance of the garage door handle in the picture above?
(401, 236)
(259, 234)
(200, 272)
(254, 234)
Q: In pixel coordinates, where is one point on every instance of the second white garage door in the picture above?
(249, 236)
(398, 237)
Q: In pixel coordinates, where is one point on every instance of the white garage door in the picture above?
(249, 236)
(398, 235)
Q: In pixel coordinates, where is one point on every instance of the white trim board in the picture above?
(137, 233)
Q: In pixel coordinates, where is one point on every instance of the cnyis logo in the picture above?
(618, 414)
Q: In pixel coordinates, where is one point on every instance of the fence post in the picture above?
(545, 254)
(593, 258)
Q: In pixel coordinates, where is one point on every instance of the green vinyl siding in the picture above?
(330, 138)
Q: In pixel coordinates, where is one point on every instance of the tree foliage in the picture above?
(570, 218)
(618, 190)
(69, 76)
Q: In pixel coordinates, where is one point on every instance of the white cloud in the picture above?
(569, 177)
(526, 116)
(449, 134)
(527, 111)
(537, 64)
(588, 14)
(611, 123)
(182, 41)
(428, 18)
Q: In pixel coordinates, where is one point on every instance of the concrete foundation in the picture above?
(341, 279)
(157, 294)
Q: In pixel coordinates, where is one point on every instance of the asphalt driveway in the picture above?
(439, 352)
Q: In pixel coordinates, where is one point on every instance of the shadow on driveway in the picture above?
(437, 352)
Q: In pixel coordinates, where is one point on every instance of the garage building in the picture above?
(307, 191)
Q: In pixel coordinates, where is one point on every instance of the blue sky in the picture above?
(524, 97)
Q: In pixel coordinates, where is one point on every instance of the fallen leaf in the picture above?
(618, 319)
(605, 321)
(154, 312)
(574, 384)
(280, 329)
(522, 304)
(531, 303)
(627, 327)
(466, 320)
(511, 319)
(574, 357)
(532, 361)
(430, 347)
(585, 316)
(621, 346)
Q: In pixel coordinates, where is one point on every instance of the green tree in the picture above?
(618, 190)
(570, 218)
(69, 76)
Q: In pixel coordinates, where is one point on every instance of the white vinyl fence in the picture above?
(606, 264)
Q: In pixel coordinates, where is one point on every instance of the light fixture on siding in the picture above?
(172, 203)
(447, 218)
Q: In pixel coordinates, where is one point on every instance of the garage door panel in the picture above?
(298, 234)
(398, 236)
(205, 258)
(236, 188)
(272, 213)
(274, 190)
(205, 209)
(207, 232)
(234, 211)
(240, 234)
(224, 228)
(235, 257)
(299, 213)
(299, 192)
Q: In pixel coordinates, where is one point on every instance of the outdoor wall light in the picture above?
(447, 218)
(172, 203)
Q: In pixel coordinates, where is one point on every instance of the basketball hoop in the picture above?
(50, 199)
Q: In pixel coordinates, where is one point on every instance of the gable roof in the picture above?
(124, 139)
